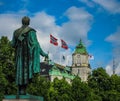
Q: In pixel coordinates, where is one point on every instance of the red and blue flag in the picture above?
(53, 40)
(63, 44)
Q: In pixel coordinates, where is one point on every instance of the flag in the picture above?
(53, 40)
(63, 57)
(63, 44)
(91, 57)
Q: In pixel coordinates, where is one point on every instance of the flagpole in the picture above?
(67, 61)
(53, 41)
(60, 54)
(64, 46)
(60, 57)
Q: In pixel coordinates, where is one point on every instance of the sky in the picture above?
(95, 22)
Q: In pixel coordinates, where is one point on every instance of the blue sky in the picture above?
(96, 22)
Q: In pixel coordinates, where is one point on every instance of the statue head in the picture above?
(25, 20)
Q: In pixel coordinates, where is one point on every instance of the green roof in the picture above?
(80, 48)
(56, 72)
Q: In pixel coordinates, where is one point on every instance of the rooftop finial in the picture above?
(80, 40)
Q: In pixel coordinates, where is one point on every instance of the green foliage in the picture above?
(7, 66)
(3, 84)
(99, 80)
(95, 97)
(104, 86)
(60, 90)
(115, 82)
(112, 95)
(80, 90)
(39, 86)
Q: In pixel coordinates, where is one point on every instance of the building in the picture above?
(80, 62)
(52, 70)
(80, 66)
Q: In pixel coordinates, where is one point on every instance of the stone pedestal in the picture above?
(22, 98)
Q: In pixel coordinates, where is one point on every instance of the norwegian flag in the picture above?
(63, 44)
(53, 40)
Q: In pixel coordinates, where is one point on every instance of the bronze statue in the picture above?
(27, 54)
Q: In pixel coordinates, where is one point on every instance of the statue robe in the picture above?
(27, 54)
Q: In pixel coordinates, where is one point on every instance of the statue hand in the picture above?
(46, 57)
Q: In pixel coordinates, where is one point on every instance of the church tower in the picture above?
(80, 62)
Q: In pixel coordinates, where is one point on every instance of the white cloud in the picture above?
(45, 22)
(115, 37)
(88, 3)
(113, 6)
(115, 40)
(117, 70)
(77, 27)
(109, 69)
(8, 23)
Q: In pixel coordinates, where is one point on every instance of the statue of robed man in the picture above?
(27, 54)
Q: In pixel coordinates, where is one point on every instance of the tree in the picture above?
(99, 79)
(60, 90)
(80, 90)
(3, 84)
(7, 65)
(100, 82)
(115, 82)
(39, 86)
(112, 95)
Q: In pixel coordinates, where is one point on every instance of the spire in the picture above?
(80, 43)
(80, 40)
(80, 48)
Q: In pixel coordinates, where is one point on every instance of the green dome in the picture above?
(80, 49)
